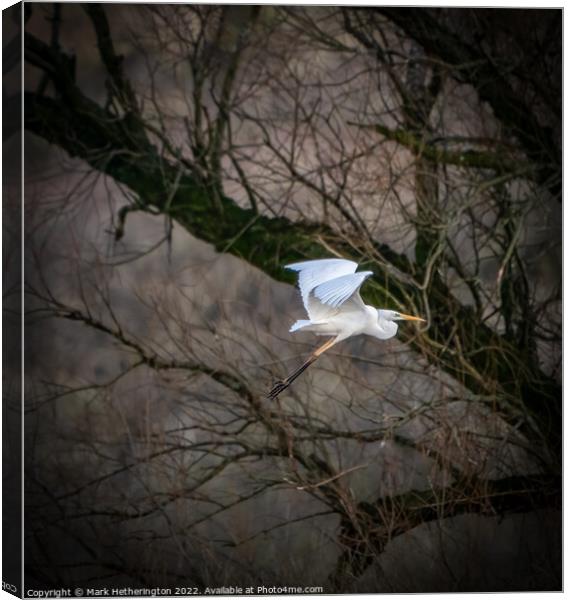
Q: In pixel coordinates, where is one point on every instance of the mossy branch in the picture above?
(489, 497)
(469, 65)
(470, 159)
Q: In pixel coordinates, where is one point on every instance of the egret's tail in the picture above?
(299, 325)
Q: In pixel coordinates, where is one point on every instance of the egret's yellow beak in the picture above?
(411, 318)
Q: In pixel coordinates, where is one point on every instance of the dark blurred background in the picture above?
(176, 158)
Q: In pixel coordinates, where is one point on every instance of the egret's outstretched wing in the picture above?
(337, 291)
(313, 273)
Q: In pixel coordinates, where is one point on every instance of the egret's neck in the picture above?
(385, 328)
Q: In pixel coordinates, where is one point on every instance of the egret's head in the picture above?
(393, 315)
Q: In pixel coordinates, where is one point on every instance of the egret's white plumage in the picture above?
(330, 291)
(312, 273)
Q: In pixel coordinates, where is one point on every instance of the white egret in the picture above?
(330, 290)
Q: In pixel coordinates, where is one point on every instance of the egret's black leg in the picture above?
(280, 386)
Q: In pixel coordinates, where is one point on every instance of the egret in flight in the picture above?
(330, 291)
